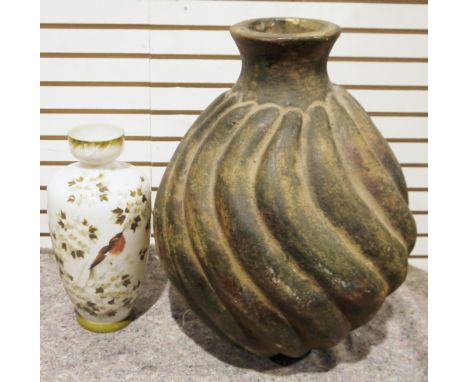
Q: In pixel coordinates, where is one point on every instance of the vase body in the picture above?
(99, 220)
(283, 216)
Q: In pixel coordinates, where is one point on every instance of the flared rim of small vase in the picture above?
(96, 133)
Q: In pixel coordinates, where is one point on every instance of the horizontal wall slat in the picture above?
(216, 85)
(149, 138)
(59, 124)
(95, 40)
(219, 71)
(215, 42)
(133, 151)
(100, 97)
(200, 27)
(348, 44)
(415, 177)
(58, 69)
(229, 57)
(417, 200)
(162, 151)
(200, 98)
(352, 73)
(178, 125)
(376, 14)
(198, 112)
(102, 11)
(345, 15)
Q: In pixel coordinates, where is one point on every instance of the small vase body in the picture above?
(283, 216)
(99, 221)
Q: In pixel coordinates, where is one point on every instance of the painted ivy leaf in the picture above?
(85, 222)
(92, 229)
(120, 219)
(62, 215)
(80, 179)
(137, 218)
(71, 183)
(126, 282)
(71, 198)
(139, 191)
(64, 246)
(60, 223)
(127, 302)
(111, 302)
(142, 179)
(132, 193)
(103, 197)
(103, 189)
(144, 199)
(111, 313)
(127, 210)
(79, 253)
(73, 254)
(118, 211)
(134, 226)
(70, 276)
(99, 290)
(125, 277)
(92, 236)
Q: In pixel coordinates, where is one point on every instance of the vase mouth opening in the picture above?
(96, 133)
(96, 144)
(286, 28)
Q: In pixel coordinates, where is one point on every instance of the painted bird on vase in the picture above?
(115, 247)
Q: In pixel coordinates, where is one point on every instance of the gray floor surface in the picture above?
(167, 341)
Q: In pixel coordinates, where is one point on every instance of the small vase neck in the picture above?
(284, 60)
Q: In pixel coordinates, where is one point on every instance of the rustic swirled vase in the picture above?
(283, 216)
(99, 212)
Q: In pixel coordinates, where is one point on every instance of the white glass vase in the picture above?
(99, 219)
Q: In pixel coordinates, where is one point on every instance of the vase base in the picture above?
(98, 327)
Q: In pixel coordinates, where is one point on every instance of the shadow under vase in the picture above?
(354, 348)
(152, 288)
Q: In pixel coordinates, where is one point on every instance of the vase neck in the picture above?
(284, 60)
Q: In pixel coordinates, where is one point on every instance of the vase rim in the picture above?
(95, 133)
(286, 28)
(96, 144)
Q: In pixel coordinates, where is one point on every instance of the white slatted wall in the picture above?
(151, 66)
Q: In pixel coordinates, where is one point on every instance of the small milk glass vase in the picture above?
(99, 220)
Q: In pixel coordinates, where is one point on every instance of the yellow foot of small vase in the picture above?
(98, 327)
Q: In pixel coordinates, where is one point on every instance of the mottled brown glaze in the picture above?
(282, 217)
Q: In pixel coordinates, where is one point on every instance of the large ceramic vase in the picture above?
(283, 216)
(99, 219)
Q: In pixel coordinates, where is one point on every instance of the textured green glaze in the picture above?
(283, 216)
